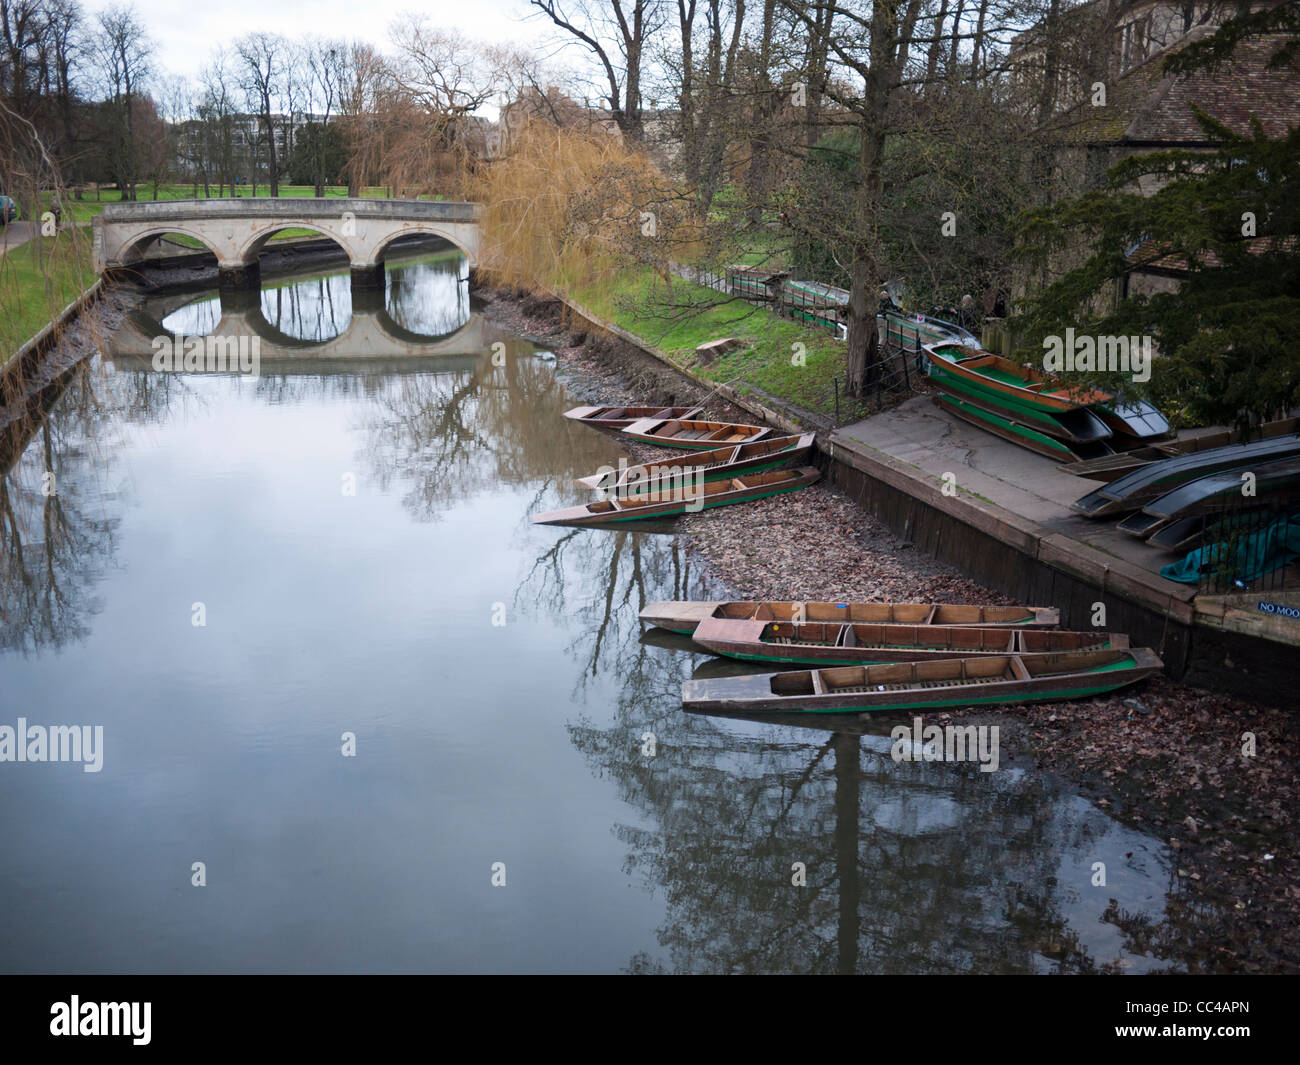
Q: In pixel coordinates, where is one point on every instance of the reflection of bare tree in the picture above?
(910, 867)
(602, 578)
(58, 447)
(54, 533)
(449, 436)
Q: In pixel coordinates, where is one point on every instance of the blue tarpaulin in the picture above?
(1246, 560)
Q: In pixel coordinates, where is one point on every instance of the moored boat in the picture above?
(682, 498)
(685, 615)
(1015, 384)
(1135, 419)
(822, 643)
(1080, 426)
(1016, 432)
(694, 434)
(620, 417)
(717, 463)
(945, 682)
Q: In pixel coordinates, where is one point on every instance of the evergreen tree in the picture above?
(1227, 338)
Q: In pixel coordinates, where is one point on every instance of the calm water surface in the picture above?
(357, 533)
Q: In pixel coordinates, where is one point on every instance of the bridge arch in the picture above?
(260, 238)
(455, 239)
(132, 250)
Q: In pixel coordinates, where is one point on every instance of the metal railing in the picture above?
(1239, 540)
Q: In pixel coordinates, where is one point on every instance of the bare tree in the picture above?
(217, 112)
(262, 59)
(616, 34)
(325, 72)
(123, 50)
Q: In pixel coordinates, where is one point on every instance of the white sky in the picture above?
(185, 33)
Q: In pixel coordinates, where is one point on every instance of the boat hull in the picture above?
(745, 489)
(1007, 429)
(617, 418)
(1134, 490)
(684, 616)
(1074, 427)
(718, 462)
(830, 644)
(944, 683)
(679, 432)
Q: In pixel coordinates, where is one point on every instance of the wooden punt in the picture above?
(685, 615)
(1015, 432)
(717, 463)
(1016, 384)
(826, 643)
(621, 417)
(1080, 426)
(815, 302)
(1134, 490)
(690, 433)
(945, 682)
(683, 498)
(903, 330)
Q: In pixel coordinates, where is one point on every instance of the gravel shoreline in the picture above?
(1165, 757)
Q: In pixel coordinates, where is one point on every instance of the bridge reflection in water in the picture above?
(308, 323)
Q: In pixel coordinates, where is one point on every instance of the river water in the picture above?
(402, 729)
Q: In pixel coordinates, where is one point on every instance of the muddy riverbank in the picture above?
(1214, 776)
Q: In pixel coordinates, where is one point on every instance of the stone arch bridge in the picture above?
(236, 230)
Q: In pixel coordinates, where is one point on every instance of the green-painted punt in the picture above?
(1004, 427)
(955, 682)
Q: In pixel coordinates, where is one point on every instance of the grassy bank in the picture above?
(677, 321)
(37, 280)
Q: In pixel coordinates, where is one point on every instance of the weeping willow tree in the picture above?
(568, 207)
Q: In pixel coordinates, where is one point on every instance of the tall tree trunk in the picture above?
(816, 63)
(954, 65)
(765, 107)
(863, 341)
(932, 59)
(686, 99)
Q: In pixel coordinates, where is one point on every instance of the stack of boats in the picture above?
(867, 657)
(1172, 501)
(1032, 409)
(727, 462)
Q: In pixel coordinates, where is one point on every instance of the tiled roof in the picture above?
(1147, 107)
(1147, 255)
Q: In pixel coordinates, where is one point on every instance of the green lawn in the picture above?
(37, 280)
(637, 303)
